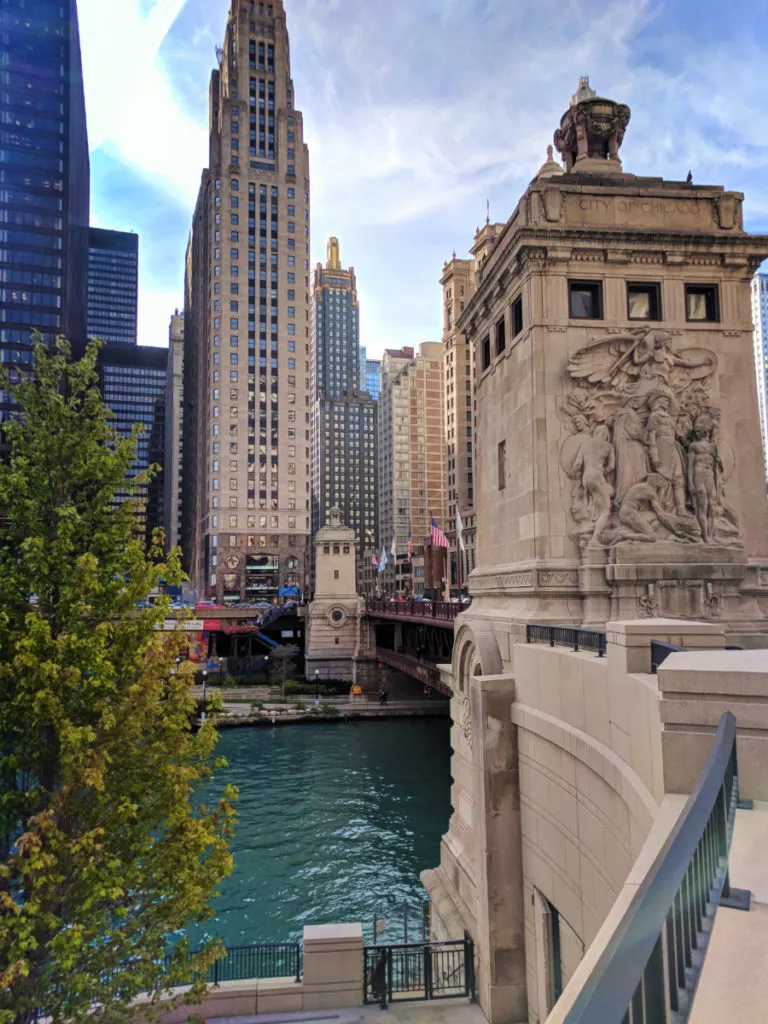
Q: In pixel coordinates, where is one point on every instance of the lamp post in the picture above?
(178, 663)
(205, 682)
(317, 686)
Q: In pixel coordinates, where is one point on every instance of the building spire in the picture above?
(334, 261)
(487, 211)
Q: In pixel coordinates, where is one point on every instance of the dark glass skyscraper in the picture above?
(44, 177)
(133, 383)
(113, 285)
(343, 415)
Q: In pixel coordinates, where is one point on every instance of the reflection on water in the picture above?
(336, 822)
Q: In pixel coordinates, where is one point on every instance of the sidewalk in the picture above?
(449, 1011)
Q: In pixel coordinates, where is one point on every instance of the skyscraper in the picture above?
(373, 377)
(133, 384)
(174, 423)
(246, 346)
(44, 179)
(113, 285)
(343, 416)
(411, 446)
(760, 321)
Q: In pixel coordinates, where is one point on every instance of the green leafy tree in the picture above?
(105, 850)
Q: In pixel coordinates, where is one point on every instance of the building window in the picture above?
(701, 302)
(585, 300)
(335, 574)
(326, 549)
(486, 351)
(643, 302)
(517, 316)
(502, 464)
(501, 336)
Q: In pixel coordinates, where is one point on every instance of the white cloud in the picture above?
(130, 103)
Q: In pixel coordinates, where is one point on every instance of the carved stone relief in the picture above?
(644, 448)
(466, 721)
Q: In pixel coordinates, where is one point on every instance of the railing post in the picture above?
(427, 972)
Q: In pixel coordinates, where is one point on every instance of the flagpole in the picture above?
(458, 563)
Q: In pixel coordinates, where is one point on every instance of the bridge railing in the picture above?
(567, 636)
(445, 611)
(648, 970)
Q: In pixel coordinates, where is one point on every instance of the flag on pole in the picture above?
(374, 560)
(410, 544)
(439, 540)
(459, 530)
(393, 550)
(383, 560)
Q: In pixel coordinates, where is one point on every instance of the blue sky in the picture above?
(415, 112)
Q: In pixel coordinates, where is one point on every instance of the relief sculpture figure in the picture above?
(702, 481)
(643, 445)
(666, 454)
(596, 459)
(629, 440)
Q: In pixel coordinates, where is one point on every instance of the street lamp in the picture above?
(317, 686)
(178, 662)
(205, 681)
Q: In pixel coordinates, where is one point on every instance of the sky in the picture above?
(416, 113)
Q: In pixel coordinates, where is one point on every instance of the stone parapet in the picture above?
(333, 966)
(696, 688)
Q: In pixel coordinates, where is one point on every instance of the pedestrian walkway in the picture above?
(453, 1011)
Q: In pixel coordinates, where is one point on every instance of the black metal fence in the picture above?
(660, 651)
(576, 638)
(261, 960)
(648, 971)
(423, 970)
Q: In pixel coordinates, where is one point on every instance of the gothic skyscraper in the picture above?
(343, 415)
(246, 508)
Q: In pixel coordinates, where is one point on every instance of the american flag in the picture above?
(410, 545)
(374, 560)
(439, 540)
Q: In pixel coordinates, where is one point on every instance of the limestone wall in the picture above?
(591, 780)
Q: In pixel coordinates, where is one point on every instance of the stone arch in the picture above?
(475, 653)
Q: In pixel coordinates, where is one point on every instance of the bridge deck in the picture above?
(426, 613)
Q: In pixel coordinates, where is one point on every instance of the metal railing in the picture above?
(260, 960)
(660, 651)
(423, 970)
(648, 971)
(576, 638)
(441, 611)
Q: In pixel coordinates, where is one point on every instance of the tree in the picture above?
(283, 665)
(105, 851)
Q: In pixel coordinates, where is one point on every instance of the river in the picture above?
(336, 822)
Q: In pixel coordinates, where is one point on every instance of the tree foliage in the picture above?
(105, 850)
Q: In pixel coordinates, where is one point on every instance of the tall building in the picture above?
(363, 360)
(760, 321)
(44, 179)
(113, 285)
(174, 425)
(343, 416)
(411, 446)
(246, 487)
(133, 384)
(373, 377)
(458, 282)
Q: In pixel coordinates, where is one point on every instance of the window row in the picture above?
(585, 301)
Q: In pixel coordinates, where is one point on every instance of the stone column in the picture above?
(333, 966)
(500, 937)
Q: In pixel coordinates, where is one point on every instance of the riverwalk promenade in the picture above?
(253, 706)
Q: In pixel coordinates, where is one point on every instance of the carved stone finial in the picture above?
(454, 254)
(591, 132)
(550, 152)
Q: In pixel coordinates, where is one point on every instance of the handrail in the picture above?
(660, 651)
(648, 963)
(257, 960)
(575, 637)
(441, 611)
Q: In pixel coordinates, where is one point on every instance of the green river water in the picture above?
(336, 822)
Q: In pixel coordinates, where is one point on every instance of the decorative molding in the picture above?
(466, 721)
(508, 581)
(558, 577)
(762, 576)
(556, 330)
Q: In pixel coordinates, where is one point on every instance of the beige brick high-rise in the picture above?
(246, 495)
(411, 449)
